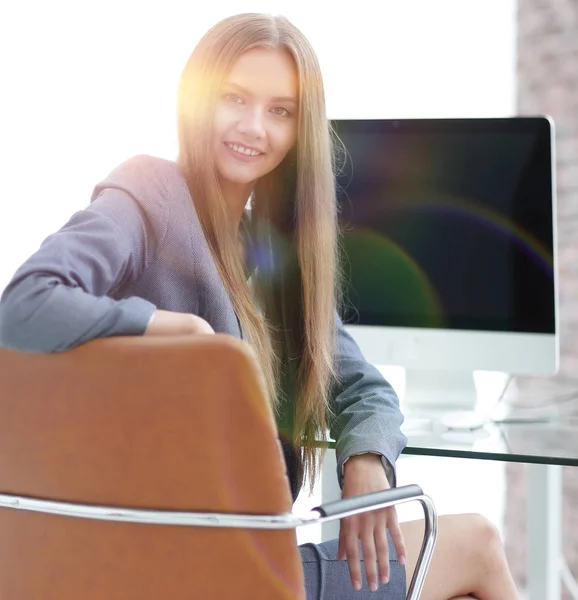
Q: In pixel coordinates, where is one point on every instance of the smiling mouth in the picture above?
(243, 150)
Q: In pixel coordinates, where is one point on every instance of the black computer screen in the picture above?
(447, 223)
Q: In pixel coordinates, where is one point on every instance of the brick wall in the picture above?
(547, 67)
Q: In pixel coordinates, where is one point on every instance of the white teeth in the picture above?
(243, 150)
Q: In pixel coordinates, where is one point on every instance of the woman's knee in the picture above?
(482, 528)
(479, 540)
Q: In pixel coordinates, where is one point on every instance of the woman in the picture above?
(166, 248)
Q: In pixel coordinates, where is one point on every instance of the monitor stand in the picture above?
(433, 390)
(441, 398)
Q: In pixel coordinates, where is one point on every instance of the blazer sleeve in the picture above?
(366, 413)
(58, 298)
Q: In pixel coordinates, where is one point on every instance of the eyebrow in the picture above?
(245, 91)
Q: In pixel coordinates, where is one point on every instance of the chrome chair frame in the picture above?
(320, 514)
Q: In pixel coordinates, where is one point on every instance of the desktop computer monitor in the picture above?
(449, 249)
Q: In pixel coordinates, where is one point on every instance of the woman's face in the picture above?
(255, 123)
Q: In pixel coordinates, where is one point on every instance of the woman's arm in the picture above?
(58, 298)
(367, 420)
(366, 409)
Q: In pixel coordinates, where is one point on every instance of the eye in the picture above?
(233, 98)
(280, 111)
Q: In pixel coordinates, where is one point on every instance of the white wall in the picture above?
(86, 85)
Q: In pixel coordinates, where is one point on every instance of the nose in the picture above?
(252, 123)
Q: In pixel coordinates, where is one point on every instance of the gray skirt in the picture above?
(327, 578)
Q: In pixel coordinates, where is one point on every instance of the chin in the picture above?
(239, 179)
(239, 176)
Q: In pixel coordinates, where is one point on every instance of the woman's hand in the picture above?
(165, 322)
(199, 326)
(365, 474)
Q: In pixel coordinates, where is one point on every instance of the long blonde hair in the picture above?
(290, 321)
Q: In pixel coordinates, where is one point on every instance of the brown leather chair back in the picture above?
(160, 423)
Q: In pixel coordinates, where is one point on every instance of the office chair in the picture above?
(150, 467)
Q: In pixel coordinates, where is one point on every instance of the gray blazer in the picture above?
(139, 246)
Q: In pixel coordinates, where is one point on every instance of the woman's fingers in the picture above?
(371, 529)
(370, 558)
(382, 550)
(200, 326)
(396, 535)
(349, 544)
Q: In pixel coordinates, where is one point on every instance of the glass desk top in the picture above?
(532, 420)
(553, 443)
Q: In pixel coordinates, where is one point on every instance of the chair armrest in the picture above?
(373, 501)
(383, 499)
